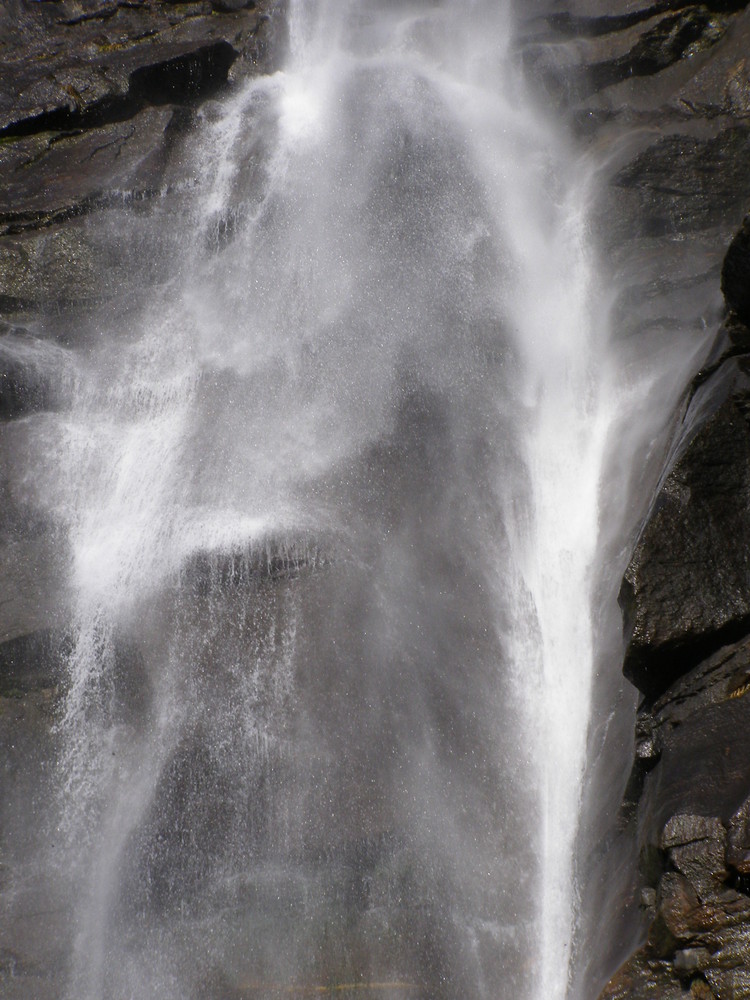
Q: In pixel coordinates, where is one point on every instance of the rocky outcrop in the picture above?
(97, 99)
(685, 598)
(94, 99)
(662, 91)
(686, 589)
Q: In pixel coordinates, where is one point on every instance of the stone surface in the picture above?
(735, 274)
(690, 787)
(95, 100)
(664, 89)
(82, 62)
(687, 588)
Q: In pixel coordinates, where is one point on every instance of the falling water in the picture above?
(332, 502)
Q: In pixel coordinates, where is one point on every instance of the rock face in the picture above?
(665, 89)
(686, 589)
(682, 194)
(685, 597)
(96, 97)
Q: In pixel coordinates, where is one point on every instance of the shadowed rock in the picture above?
(685, 599)
(94, 101)
(735, 274)
(687, 588)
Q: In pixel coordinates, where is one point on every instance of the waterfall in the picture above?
(332, 498)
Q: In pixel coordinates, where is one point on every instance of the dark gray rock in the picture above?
(80, 64)
(687, 588)
(34, 598)
(675, 36)
(31, 662)
(684, 183)
(34, 374)
(229, 6)
(677, 126)
(95, 100)
(52, 176)
(637, 42)
(735, 274)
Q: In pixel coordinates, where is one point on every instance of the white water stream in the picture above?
(333, 504)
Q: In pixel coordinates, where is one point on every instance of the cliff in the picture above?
(96, 99)
(667, 86)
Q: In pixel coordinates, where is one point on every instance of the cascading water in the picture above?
(332, 501)
(570, 405)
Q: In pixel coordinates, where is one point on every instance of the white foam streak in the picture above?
(570, 412)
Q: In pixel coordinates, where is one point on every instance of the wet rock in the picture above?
(33, 596)
(94, 102)
(623, 47)
(735, 274)
(699, 924)
(272, 558)
(693, 665)
(69, 65)
(197, 74)
(700, 990)
(687, 588)
(701, 768)
(55, 269)
(33, 374)
(738, 840)
(702, 863)
(31, 662)
(678, 35)
(35, 927)
(678, 907)
(645, 977)
(670, 181)
(33, 558)
(730, 982)
(54, 176)
(684, 830)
